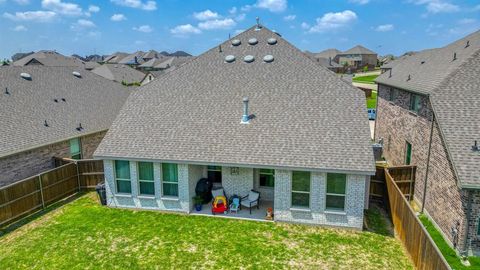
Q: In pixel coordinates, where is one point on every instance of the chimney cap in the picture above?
(245, 99)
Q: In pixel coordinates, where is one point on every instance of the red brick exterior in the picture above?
(445, 203)
(25, 164)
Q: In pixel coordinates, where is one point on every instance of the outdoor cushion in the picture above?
(253, 196)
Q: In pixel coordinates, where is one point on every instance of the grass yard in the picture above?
(449, 254)
(372, 101)
(365, 79)
(84, 235)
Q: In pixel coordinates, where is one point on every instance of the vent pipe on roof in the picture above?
(6, 91)
(390, 73)
(79, 128)
(454, 56)
(258, 22)
(468, 44)
(409, 77)
(219, 48)
(45, 123)
(245, 118)
(330, 61)
(475, 147)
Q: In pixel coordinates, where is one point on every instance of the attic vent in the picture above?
(77, 74)
(409, 77)
(64, 100)
(252, 41)
(468, 44)
(268, 58)
(26, 76)
(272, 41)
(236, 42)
(475, 146)
(45, 123)
(249, 58)
(278, 34)
(454, 56)
(6, 91)
(423, 62)
(56, 100)
(229, 58)
(79, 128)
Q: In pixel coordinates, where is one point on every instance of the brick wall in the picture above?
(239, 184)
(25, 164)
(316, 214)
(396, 124)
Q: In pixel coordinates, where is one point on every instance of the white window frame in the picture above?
(121, 179)
(146, 181)
(168, 182)
(303, 192)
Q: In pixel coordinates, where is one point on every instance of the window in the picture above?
(415, 103)
(145, 178)
(170, 179)
(300, 189)
(267, 177)
(122, 176)
(336, 187)
(393, 94)
(75, 149)
(408, 153)
(215, 174)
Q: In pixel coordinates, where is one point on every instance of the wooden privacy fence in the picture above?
(408, 228)
(37, 192)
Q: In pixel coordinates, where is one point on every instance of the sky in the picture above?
(104, 27)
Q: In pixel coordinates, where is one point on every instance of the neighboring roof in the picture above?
(327, 62)
(193, 114)
(115, 58)
(328, 53)
(153, 62)
(453, 88)
(50, 59)
(151, 54)
(174, 61)
(91, 65)
(357, 50)
(119, 73)
(90, 100)
(135, 58)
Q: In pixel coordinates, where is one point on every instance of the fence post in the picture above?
(41, 190)
(78, 176)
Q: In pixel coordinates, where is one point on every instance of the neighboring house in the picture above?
(48, 112)
(152, 54)
(173, 62)
(310, 158)
(328, 63)
(115, 58)
(428, 116)
(49, 59)
(358, 57)
(149, 77)
(120, 73)
(152, 63)
(91, 65)
(329, 54)
(133, 59)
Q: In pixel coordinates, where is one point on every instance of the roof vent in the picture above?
(268, 58)
(219, 48)
(236, 42)
(229, 58)
(272, 41)
(454, 56)
(245, 117)
(423, 62)
(6, 91)
(409, 77)
(390, 73)
(56, 100)
(26, 76)
(249, 58)
(252, 41)
(64, 100)
(468, 44)
(79, 128)
(259, 27)
(278, 34)
(475, 147)
(45, 123)
(77, 74)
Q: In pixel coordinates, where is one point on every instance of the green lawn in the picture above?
(449, 254)
(365, 79)
(84, 235)
(372, 101)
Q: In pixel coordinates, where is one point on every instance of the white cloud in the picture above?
(359, 2)
(233, 10)
(305, 25)
(290, 17)
(240, 17)
(143, 28)
(37, 16)
(22, 2)
(19, 28)
(118, 17)
(94, 34)
(206, 15)
(82, 24)
(64, 8)
(185, 29)
(147, 5)
(272, 5)
(467, 21)
(246, 8)
(93, 8)
(437, 6)
(384, 28)
(217, 24)
(332, 21)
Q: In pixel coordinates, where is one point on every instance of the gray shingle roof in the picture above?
(153, 62)
(151, 54)
(306, 117)
(90, 100)
(119, 73)
(328, 53)
(135, 58)
(453, 87)
(358, 50)
(50, 59)
(174, 61)
(115, 58)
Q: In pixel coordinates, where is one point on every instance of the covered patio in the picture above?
(244, 213)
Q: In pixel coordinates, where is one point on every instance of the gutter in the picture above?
(428, 163)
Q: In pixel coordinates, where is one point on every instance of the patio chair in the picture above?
(251, 200)
(235, 205)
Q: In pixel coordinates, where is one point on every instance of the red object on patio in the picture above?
(219, 205)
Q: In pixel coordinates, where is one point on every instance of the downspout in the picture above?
(428, 163)
(467, 228)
